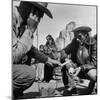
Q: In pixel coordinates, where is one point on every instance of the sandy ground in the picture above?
(52, 89)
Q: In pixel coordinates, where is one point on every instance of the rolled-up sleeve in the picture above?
(35, 53)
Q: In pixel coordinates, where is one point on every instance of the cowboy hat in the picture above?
(81, 29)
(85, 30)
(25, 7)
(43, 7)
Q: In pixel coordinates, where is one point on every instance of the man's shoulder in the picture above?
(15, 11)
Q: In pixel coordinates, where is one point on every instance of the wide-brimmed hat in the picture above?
(82, 29)
(26, 6)
(85, 30)
(43, 7)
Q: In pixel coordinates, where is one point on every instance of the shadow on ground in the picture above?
(30, 95)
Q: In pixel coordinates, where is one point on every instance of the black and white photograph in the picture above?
(54, 49)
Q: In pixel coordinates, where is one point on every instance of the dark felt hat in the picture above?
(43, 7)
(82, 29)
(25, 7)
(85, 30)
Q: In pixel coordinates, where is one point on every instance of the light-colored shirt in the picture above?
(62, 42)
(68, 37)
(20, 46)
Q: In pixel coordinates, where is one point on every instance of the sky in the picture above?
(62, 15)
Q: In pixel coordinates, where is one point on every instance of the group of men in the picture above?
(26, 18)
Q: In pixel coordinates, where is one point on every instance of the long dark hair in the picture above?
(51, 38)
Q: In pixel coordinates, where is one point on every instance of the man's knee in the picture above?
(92, 74)
(30, 72)
(23, 76)
(24, 70)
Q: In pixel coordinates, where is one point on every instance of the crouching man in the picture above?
(26, 18)
(83, 53)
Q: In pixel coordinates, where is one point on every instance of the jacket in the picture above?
(73, 48)
(21, 46)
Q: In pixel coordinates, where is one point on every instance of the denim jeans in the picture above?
(23, 77)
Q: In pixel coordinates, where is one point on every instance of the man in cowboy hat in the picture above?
(83, 54)
(26, 18)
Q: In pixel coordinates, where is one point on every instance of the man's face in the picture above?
(34, 19)
(81, 37)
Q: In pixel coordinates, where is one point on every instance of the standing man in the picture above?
(65, 36)
(26, 18)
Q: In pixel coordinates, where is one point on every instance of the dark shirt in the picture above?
(72, 49)
(35, 53)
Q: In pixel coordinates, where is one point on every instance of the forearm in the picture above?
(35, 53)
(41, 57)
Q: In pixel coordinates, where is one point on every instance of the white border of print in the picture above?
(5, 48)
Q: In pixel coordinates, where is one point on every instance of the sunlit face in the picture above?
(34, 19)
(32, 22)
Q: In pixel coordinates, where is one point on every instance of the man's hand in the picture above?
(71, 71)
(77, 71)
(66, 63)
(51, 61)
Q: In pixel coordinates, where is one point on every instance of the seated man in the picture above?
(83, 54)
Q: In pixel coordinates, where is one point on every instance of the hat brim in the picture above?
(44, 9)
(82, 29)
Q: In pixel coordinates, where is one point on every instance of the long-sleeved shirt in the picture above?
(35, 53)
(73, 48)
(65, 39)
(21, 46)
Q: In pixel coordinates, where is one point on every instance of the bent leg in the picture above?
(64, 76)
(92, 76)
(23, 77)
(48, 72)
